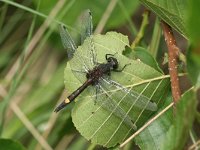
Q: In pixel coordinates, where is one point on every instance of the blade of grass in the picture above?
(15, 78)
(153, 48)
(40, 46)
(51, 122)
(13, 21)
(22, 7)
(36, 38)
(50, 18)
(105, 16)
(2, 17)
(52, 118)
(30, 33)
(30, 126)
(130, 22)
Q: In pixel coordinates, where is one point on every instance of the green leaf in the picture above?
(169, 131)
(7, 144)
(172, 12)
(193, 65)
(142, 54)
(193, 55)
(98, 124)
(193, 22)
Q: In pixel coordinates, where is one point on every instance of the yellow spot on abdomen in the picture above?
(67, 100)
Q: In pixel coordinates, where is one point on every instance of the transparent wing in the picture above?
(84, 58)
(86, 25)
(77, 63)
(106, 101)
(132, 97)
(86, 29)
(67, 41)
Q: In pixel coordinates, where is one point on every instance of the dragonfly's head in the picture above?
(113, 62)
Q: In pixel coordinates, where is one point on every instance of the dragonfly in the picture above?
(98, 75)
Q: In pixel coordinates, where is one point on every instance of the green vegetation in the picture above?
(34, 70)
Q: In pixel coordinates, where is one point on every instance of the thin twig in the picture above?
(105, 16)
(65, 141)
(145, 22)
(146, 125)
(173, 52)
(195, 145)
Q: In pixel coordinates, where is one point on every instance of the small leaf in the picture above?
(143, 55)
(172, 12)
(7, 144)
(96, 123)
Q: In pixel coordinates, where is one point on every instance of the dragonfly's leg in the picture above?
(107, 55)
(122, 68)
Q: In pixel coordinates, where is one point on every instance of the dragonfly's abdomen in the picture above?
(73, 96)
(79, 90)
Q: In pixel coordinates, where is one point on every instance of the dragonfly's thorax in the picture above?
(102, 69)
(97, 73)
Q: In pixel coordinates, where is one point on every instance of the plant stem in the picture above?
(173, 52)
(140, 34)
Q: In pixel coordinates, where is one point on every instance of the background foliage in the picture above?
(32, 63)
